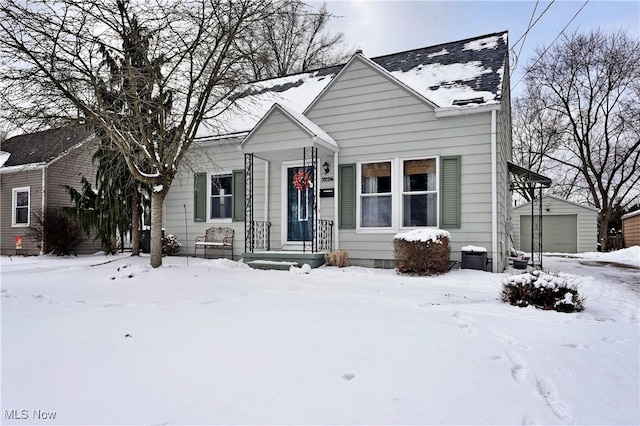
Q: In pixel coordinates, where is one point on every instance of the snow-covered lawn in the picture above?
(108, 340)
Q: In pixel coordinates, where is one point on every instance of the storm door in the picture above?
(300, 202)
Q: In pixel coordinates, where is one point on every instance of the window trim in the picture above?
(14, 199)
(397, 194)
(210, 176)
(425, 192)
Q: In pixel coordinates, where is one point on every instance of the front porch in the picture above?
(290, 213)
(283, 260)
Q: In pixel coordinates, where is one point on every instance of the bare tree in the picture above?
(591, 82)
(55, 62)
(535, 134)
(294, 39)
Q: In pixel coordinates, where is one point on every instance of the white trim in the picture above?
(336, 206)
(631, 214)
(397, 192)
(394, 213)
(494, 192)
(284, 207)
(458, 111)
(210, 175)
(14, 191)
(22, 168)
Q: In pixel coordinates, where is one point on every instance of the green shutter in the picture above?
(347, 187)
(450, 198)
(238, 195)
(200, 197)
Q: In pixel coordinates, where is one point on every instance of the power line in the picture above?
(523, 37)
(551, 44)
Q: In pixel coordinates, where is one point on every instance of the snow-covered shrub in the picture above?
(543, 290)
(339, 258)
(422, 251)
(170, 245)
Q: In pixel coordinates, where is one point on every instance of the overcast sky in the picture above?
(384, 27)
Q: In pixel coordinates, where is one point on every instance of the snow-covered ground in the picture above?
(108, 340)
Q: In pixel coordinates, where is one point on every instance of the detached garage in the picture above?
(566, 227)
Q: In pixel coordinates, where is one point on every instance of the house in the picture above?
(345, 157)
(34, 168)
(631, 229)
(567, 227)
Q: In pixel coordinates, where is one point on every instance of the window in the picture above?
(21, 200)
(419, 194)
(375, 195)
(399, 193)
(221, 198)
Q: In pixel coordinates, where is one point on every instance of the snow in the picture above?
(484, 43)
(474, 249)
(423, 235)
(109, 340)
(4, 156)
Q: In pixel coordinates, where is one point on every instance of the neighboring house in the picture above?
(346, 157)
(567, 227)
(631, 229)
(34, 168)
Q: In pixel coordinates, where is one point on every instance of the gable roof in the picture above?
(43, 147)
(458, 74)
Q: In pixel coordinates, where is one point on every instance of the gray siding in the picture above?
(68, 170)
(8, 181)
(374, 118)
(179, 201)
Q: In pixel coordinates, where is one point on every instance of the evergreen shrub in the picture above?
(170, 245)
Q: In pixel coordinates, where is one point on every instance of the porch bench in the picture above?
(216, 237)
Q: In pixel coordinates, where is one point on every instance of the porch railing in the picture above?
(261, 238)
(325, 234)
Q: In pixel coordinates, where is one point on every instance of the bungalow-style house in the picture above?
(33, 168)
(348, 156)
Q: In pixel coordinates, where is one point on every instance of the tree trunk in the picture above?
(603, 231)
(157, 201)
(135, 223)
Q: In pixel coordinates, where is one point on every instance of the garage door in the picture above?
(559, 233)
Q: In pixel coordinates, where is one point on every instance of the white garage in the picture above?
(566, 227)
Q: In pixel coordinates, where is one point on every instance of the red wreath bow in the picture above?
(302, 180)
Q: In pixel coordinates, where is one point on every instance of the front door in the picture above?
(300, 202)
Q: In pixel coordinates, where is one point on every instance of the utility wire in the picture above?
(523, 37)
(551, 44)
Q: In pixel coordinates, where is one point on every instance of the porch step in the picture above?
(272, 265)
(289, 257)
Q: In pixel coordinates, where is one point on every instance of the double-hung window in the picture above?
(221, 197)
(376, 209)
(21, 202)
(396, 194)
(419, 193)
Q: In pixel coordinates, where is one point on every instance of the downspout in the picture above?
(494, 193)
(336, 207)
(43, 202)
(266, 190)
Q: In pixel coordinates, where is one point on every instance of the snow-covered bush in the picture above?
(170, 245)
(422, 251)
(543, 290)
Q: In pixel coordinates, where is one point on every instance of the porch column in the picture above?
(336, 207)
(248, 203)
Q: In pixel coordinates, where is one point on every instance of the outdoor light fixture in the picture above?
(325, 166)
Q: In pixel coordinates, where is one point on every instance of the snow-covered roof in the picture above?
(459, 74)
(310, 126)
